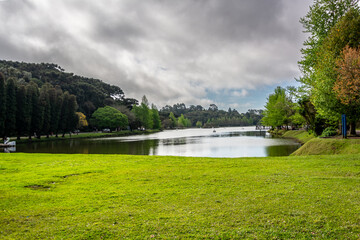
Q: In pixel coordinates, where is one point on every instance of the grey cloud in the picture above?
(168, 50)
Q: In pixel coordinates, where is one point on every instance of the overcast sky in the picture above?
(232, 53)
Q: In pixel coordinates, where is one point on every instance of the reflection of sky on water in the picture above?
(225, 142)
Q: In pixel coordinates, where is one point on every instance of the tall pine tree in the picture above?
(10, 116)
(22, 112)
(2, 105)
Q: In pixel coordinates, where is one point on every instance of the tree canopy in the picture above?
(109, 117)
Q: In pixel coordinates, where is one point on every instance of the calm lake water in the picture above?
(225, 142)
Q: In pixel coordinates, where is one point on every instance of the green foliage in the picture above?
(173, 120)
(198, 124)
(109, 117)
(2, 105)
(278, 109)
(144, 114)
(321, 18)
(345, 33)
(155, 117)
(183, 122)
(210, 117)
(10, 116)
(90, 93)
(329, 131)
(53, 196)
(22, 113)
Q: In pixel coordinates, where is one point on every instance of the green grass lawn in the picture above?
(44, 196)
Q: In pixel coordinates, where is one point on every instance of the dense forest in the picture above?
(90, 93)
(330, 67)
(197, 116)
(43, 99)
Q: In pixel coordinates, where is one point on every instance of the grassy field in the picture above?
(44, 196)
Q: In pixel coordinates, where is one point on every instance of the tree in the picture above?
(2, 105)
(35, 111)
(345, 33)
(278, 109)
(183, 122)
(173, 120)
(56, 101)
(22, 113)
(68, 119)
(318, 22)
(109, 117)
(347, 85)
(44, 101)
(82, 120)
(72, 120)
(143, 113)
(10, 116)
(155, 117)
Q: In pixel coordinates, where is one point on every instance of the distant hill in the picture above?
(90, 93)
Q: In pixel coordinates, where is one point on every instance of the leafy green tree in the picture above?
(173, 120)
(345, 33)
(155, 117)
(2, 105)
(198, 124)
(10, 116)
(278, 109)
(109, 117)
(143, 113)
(319, 20)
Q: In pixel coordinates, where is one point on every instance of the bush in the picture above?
(329, 131)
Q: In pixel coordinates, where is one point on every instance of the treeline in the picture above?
(90, 93)
(27, 110)
(179, 115)
(330, 72)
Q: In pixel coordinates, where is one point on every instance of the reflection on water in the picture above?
(226, 142)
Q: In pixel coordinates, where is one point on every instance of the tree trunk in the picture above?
(353, 127)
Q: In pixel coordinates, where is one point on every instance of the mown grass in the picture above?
(45, 196)
(322, 146)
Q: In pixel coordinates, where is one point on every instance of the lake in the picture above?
(225, 142)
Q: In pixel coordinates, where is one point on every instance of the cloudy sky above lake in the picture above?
(232, 53)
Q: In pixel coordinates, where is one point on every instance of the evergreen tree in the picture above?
(64, 113)
(2, 105)
(22, 113)
(56, 100)
(73, 118)
(35, 110)
(46, 108)
(10, 116)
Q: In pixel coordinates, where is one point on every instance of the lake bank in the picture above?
(84, 135)
(120, 196)
(322, 146)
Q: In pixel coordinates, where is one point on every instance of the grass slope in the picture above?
(321, 146)
(57, 196)
(301, 135)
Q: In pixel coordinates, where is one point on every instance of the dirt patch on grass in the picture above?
(38, 187)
